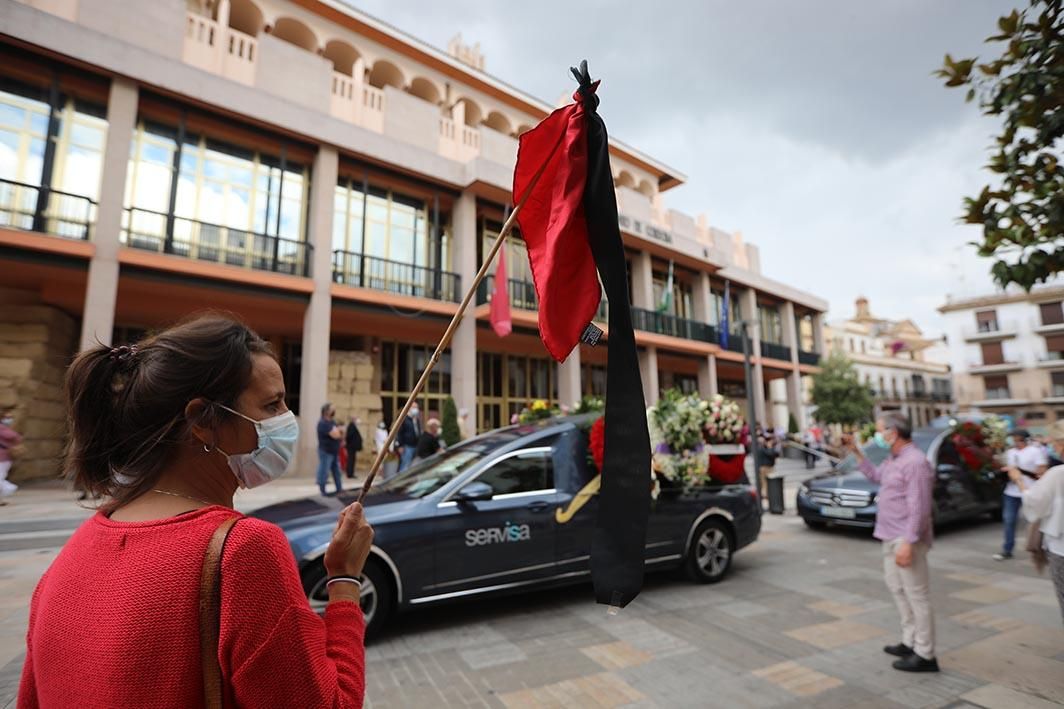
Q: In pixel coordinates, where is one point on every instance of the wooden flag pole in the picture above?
(449, 333)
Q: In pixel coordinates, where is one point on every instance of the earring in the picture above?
(207, 449)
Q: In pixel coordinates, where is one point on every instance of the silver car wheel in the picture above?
(712, 551)
(319, 597)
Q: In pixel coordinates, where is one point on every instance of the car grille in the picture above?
(840, 498)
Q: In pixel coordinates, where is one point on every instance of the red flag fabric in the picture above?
(499, 311)
(554, 226)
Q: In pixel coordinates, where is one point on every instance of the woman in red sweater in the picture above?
(166, 431)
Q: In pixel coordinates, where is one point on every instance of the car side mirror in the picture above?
(474, 491)
(946, 471)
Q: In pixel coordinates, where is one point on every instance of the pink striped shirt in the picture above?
(905, 486)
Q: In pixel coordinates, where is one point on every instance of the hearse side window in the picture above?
(524, 472)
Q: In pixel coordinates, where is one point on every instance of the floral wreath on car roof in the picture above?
(979, 443)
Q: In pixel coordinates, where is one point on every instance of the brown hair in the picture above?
(127, 404)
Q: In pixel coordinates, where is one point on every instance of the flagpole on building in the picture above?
(448, 334)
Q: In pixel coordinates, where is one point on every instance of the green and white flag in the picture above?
(666, 294)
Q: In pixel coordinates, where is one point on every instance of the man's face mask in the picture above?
(273, 454)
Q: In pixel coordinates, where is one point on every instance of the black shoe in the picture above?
(915, 663)
(899, 650)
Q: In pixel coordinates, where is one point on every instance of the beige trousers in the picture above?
(910, 587)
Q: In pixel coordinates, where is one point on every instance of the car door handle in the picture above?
(538, 506)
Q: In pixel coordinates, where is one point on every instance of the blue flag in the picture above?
(725, 315)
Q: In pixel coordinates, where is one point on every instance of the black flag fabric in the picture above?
(619, 545)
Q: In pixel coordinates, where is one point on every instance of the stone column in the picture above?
(794, 377)
(642, 281)
(568, 373)
(464, 344)
(818, 334)
(648, 372)
(702, 302)
(101, 291)
(317, 325)
(748, 308)
(707, 376)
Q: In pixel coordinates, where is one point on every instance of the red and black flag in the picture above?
(569, 223)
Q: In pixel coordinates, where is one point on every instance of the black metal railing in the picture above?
(665, 324)
(776, 351)
(735, 342)
(522, 293)
(941, 396)
(382, 274)
(47, 210)
(810, 358)
(202, 241)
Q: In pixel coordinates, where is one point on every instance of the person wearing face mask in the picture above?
(329, 437)
(408, 437)
(9, 440)
(164, 432)
(1043, 505)
(903, 524)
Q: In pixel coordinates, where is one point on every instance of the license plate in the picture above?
(838, 512)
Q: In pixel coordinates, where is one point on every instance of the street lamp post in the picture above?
(751, 408)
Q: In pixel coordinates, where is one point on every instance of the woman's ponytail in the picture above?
(91, 395)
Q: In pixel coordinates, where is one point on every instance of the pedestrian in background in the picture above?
(1043, 505)
(166, 431)
(409, 434)
(353, 444)
(766, 458)
(9, 440)
(809, 442)
(428, 444)
(903, 524)
(1031, 460)
(464, 429)
(329, 436)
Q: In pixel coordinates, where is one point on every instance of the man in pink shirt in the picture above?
(903, 524)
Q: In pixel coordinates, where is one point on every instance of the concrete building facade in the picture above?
(334, 182)
(1007, 353)
(905, 370)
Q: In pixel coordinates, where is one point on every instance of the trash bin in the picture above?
(775, 494)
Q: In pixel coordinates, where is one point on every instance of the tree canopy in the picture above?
(839, 396)
(1022, 211)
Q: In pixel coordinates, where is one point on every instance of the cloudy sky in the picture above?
(814, 127)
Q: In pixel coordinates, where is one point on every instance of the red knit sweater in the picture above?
(114, 622)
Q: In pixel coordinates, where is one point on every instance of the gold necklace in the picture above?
(178, 494)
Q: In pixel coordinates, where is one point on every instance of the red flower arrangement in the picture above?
(597, 441)
(972, 447)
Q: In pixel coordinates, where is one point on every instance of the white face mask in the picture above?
(273, 454)
(7, 420)
(414, 412)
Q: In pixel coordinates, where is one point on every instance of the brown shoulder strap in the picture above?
(210, 614)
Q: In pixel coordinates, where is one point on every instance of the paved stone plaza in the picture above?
(800, 622)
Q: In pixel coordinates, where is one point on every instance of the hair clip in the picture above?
(123, 353)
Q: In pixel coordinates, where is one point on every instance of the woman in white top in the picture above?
(1043, 502)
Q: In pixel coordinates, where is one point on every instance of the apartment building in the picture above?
(905, 370)
(1007, 353)
(334, 182)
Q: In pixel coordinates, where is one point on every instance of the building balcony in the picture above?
(361, 271)
(941, 396)
(995, 368)
(673, 326)
(202, 241)
(1052, 360)
(46, 210)
(220, 50)
(810, 358)
(1055, 394)
(522, 293)
(775, 351)
(988, 332)
(1053, 328)
(1003, 397)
